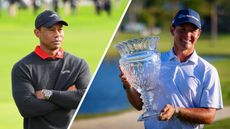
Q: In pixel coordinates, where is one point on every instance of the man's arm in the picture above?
(67, 99)
(192, 115)
(132, 94)
(197, 115)
(70, 99)
(24, 95)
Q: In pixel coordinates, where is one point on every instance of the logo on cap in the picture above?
(187, 16)
(48, 18)
(53, 15)
(190, 16)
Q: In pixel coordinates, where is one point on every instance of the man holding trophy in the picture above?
(187, 91)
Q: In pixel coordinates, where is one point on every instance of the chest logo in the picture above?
(65, 71)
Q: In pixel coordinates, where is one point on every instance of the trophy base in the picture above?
(148, 114)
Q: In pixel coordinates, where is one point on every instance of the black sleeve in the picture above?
(23, 94)
(71, 99)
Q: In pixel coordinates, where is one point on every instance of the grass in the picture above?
(224, 73)
(86, 36)
(221, 124)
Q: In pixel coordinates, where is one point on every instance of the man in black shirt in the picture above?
(48, 84)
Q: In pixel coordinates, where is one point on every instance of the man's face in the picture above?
(50, 38)
(185, 36)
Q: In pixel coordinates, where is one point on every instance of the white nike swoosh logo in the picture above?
(65, 71)
(53, 15)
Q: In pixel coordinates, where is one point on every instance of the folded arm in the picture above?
(70, 98)
(67, 99)
(24, 95)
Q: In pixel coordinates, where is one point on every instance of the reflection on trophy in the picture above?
(140, 62)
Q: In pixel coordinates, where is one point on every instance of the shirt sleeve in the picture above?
(212, 96)
(71, 99)
(23, 94)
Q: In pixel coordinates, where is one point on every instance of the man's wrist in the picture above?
(176, 111)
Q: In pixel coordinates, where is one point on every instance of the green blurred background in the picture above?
(87, 36)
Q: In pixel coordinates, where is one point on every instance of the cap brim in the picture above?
(50, 24)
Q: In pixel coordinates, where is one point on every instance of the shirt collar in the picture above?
(44, 55)
(193, 58)
(172, 55)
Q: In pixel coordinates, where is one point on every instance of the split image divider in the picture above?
(98, 66)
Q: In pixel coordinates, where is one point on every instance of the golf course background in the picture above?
(86, 36)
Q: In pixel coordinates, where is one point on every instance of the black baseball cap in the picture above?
(48, 18)
(187, 16)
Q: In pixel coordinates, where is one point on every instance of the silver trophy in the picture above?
(140, 62)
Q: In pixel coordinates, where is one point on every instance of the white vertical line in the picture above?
(98, 66)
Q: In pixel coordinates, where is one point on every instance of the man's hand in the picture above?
(124, 80)
(132, 94)
(39, 94)
(72, 88)
(167, 112)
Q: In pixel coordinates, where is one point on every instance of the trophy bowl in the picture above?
(140, 62)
